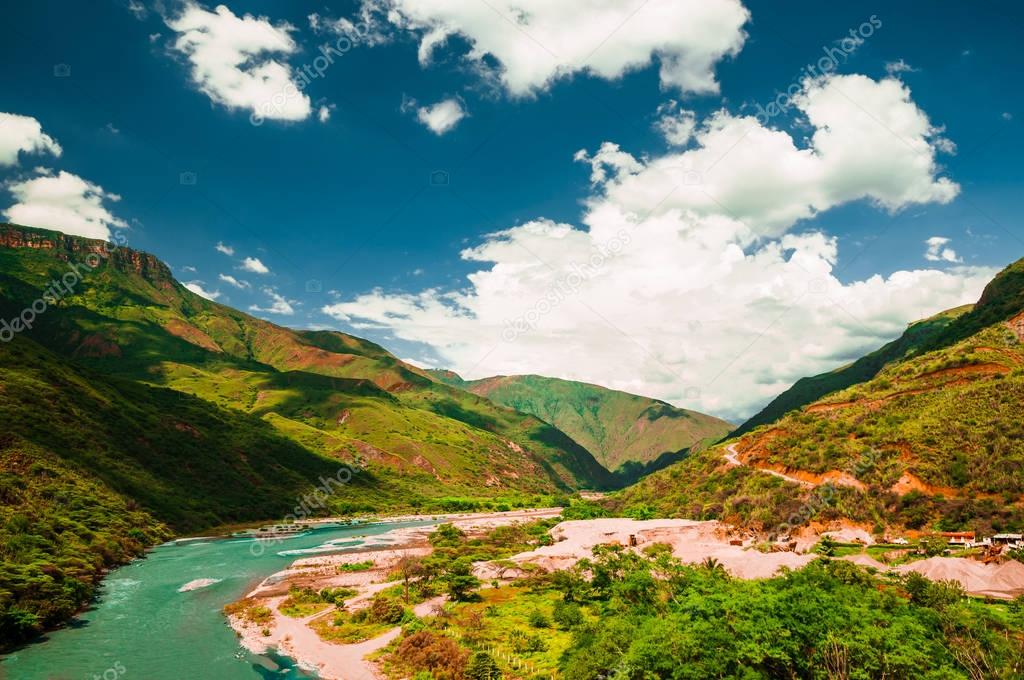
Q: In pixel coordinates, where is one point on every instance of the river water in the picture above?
(142, 627)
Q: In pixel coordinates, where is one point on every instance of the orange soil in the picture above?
(909, 482)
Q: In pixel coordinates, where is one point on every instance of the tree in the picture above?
(447, 536)
(460, 579)
(411, 569)
(482, 667)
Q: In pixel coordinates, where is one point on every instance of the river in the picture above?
(141, 626)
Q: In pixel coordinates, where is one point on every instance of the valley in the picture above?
(138, 413)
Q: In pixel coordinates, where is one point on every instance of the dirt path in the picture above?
(732, 457)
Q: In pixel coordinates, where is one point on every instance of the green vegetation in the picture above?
(134, 409)
(303, 602)
(631, 617)
(627, 434)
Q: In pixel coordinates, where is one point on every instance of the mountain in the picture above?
(919, 335)
(933, 439)
(628, 434)
(134, 409)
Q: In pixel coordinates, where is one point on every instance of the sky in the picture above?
(696, 200)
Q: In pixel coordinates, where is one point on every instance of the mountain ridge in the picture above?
(628, 434)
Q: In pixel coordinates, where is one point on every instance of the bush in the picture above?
(482, 667)
(427, 651)
(526, 644)
(568, 615)
(538, 619)
(385, 610)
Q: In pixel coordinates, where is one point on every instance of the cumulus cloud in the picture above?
(197, 288)
(232, 281)
(710, 295)
(254, 265)
(227, 250)
(63, 202)
(441, 117)
(870, 141)
(278, 304)
(230, 62)
(675, 123)
(938, 252)
(537, 42)
(23, 134)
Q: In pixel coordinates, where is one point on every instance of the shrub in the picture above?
(482, 667)
(427, 651)
(538, 619)
(568, 615)
(526, 644)
(384, 610)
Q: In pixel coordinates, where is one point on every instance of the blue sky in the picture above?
(344, 213)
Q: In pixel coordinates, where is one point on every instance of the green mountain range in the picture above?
(928, 435)
(133, 409)
(628, 434)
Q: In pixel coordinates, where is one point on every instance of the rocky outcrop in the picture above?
(78, 248)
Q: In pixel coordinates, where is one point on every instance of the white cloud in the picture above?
(1006, 115)
(323, 114)
(443, 116)
(197, 288)
(938, 252)
(230, 65)
(870, 141)
(897, 67)
(188, 269)
(237, 283)
(279, 305)
(63, 202)
(537, 42)
(254, 265)
(137, 9)
(23, 134)
(227, 250)
(705, 295)
(676, 124)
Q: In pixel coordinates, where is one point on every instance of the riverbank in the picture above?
(376, 559)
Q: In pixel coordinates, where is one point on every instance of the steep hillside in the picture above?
(625, 432)
(933, 440)
(334, 393)
(93, 470)
(920, 335)
(132, 409)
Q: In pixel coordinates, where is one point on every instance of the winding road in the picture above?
(732, 457)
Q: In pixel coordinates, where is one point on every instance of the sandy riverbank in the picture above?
(296, 639)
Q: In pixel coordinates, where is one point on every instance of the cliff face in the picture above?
(77, 248)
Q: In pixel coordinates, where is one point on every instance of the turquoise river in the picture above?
(142, 627)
